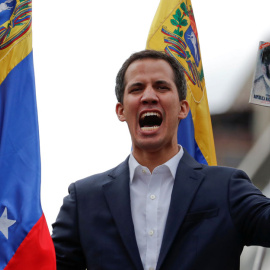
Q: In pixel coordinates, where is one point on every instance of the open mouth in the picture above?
(150, 121)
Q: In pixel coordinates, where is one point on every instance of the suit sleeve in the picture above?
(66, 238)
(250, 210)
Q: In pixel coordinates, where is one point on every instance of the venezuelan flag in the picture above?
(174, 31)
(25, 241)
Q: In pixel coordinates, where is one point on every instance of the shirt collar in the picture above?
(172, 163)
(133, 164)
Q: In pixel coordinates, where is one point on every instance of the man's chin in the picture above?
(149, 144)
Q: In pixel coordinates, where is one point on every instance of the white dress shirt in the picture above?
(150, 196)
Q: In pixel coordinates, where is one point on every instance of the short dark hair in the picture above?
(266, 55)
(179, 77)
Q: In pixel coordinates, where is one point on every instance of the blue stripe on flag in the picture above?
(19, 156)
(187, 139)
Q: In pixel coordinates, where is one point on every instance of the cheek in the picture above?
(131, 106)
(130, 115)
(177, 109)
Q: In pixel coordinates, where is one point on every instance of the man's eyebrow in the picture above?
(162, 82)
(140, 84)
(136, 84)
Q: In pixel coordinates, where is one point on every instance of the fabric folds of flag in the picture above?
(174, 31)
(25, 241)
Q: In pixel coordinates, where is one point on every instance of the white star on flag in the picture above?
(5, 223)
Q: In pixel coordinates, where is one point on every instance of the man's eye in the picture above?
(163, 87)
(135, 90)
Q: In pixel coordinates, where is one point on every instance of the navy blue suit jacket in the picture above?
(214, 212)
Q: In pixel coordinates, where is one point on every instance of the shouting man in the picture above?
(159, 209)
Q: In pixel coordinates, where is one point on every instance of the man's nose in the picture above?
(149, 96)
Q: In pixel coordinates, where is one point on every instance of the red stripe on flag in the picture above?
(36, 251)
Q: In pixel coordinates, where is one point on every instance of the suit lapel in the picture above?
(117, 194)
(187, 180)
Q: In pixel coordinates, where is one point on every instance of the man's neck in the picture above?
(154, 158)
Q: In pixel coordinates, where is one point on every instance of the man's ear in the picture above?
(183, 113)
(120, 111)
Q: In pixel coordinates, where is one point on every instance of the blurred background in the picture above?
(78, 49)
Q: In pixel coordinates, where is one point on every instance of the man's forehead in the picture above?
(144, 61)
(147, 67)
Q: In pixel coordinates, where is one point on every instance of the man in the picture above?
(159, 209)
(262, 83)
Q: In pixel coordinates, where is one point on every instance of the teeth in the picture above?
(149, 128)
(150, 114)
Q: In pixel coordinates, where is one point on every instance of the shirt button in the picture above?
(151, 268)
(143, 171)
(152, 197)
(151, 232)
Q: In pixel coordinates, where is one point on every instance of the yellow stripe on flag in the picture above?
(16, 43)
